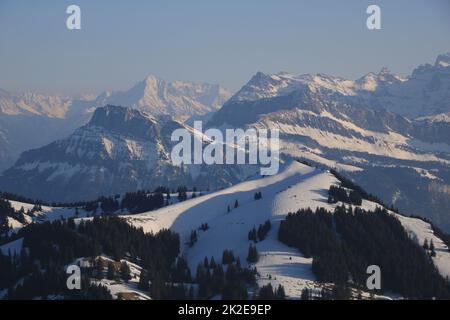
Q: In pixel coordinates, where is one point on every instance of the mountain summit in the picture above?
(443, 60)
(179, 99)
(119, 150)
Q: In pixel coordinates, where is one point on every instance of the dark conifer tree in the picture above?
(111, 274)
(425, 244)
(144, 281)
(252, 256)
(125, 272)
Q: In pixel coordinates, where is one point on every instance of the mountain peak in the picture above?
(384, 71)
(115, 117)
(152, 79)
(443, 60)
(386, 76)
(262, 86)
(179, 99)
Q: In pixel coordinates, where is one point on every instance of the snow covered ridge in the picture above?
(443, 117)
(333, 122)
(179, 99)
(297, 187)
(425, 92)
(232, 212)
(262, 147)
(119, 150)
(55, 117)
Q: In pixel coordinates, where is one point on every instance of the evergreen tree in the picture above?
(432, 248)
(252, 256)
(227, 257)
(280, 294)
(306, 294)
(144, 281)
(252, 234)
(212, 263)
(192, 238)
(111, 273)
(266, 292)
(182, 193)
(425, 244)
(125, 272)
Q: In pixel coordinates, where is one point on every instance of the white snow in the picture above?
(47, 214)
(420, 230)
(298, 186)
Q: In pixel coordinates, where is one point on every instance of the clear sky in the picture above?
(223, 42)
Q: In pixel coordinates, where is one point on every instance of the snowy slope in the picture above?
(420, 230)
(46, 214)
(298, 186)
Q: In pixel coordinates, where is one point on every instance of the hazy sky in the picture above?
(223, 42)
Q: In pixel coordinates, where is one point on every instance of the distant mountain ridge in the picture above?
(118, 150)
(55, 117)
(426, 92)
(179, 99)
(387, 132)
(350, 125)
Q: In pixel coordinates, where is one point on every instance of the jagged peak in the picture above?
(384, 71)
(443, 60)
(113, 113)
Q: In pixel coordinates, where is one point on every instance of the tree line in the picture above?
(345, 242)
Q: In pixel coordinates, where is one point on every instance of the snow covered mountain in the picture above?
(22, 116)
(119, 150)
(425, 92)
(333, 122)
(388, 132)
(297, 187)
(35, 104)
(180, 100)
(55, 117)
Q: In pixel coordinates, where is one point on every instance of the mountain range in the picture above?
(388, 133)
(118, 150)
(54, 117)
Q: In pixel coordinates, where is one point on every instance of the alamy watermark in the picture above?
(237, 146)
(73, 21)
(74, 279)
(374, 280)
(374, 20)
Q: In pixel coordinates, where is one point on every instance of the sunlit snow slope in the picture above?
(298, 186)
